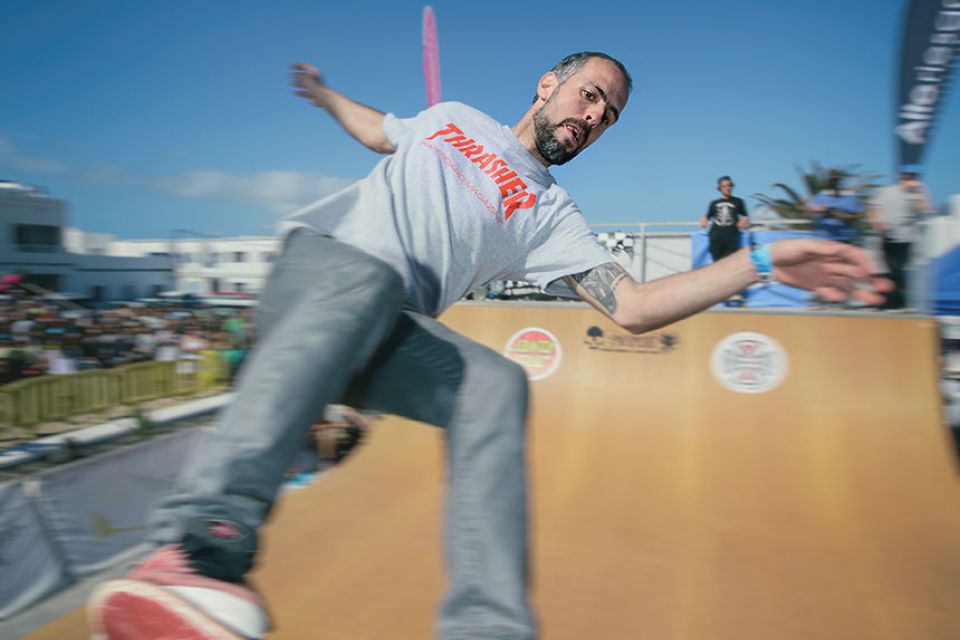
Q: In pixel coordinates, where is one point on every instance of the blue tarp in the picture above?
(945, 273)
(766, 295)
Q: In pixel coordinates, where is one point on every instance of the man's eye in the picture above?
(588, 95)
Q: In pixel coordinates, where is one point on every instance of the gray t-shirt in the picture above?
(900, 210)
(458, 204)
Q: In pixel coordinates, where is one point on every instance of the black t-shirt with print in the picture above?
(724, 213)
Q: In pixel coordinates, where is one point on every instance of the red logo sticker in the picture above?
(536, 350)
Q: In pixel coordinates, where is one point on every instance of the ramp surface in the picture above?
(666, 505)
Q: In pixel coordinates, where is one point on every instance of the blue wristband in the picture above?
(762, 262)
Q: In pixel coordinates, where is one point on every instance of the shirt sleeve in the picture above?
(396, 129)
(569, 247)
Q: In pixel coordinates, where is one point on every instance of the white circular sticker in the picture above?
(749, 363)
(536, 350)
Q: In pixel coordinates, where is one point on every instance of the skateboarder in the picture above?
(349, 312)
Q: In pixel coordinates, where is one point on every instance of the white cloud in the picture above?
(13, 158)
(279, 192)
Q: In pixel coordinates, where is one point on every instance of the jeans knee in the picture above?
(519, 382)
(511, 388)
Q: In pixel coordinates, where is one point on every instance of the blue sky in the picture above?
(151, 116)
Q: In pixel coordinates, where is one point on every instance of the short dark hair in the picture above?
(575, 61)
(722, 178)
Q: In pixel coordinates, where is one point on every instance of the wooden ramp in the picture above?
(666, 504)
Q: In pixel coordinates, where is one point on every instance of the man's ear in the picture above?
(547, 85)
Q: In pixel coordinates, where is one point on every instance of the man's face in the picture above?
(726, 188)
(909, 180)
(579, 111)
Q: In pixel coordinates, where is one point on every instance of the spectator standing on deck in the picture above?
(725, 216)
(895, 213)
(836, 210)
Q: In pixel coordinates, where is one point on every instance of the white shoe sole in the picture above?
(136, 610)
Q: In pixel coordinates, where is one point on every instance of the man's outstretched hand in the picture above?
(832, 270)
(308, 83)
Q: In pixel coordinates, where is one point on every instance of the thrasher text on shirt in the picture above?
(513, 189)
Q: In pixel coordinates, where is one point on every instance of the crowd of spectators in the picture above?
(40, 337)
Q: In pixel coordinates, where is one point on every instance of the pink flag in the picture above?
(431, 57)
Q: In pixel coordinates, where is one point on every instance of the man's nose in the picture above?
(594, 114)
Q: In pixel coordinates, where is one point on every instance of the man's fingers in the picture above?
(852, 279)
(848, 270)
(829, 294)
(884, 285)
(868, 296)
(870, 291)
(308, 68)
(300, 76)
(305, 74)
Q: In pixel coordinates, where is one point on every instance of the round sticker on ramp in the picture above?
(749, 363)
(536, 350)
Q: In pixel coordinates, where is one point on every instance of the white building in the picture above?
(210, 265)
(35, 243)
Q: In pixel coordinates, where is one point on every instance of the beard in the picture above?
(545, 137)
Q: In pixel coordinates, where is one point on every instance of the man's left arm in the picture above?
(833, 270)
(363, 123)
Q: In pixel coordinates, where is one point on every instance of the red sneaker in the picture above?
(166, 599)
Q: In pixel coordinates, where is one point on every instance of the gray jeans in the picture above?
(332, 326)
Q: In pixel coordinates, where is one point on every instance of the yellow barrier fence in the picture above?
(6, 410)
(213, 371)
(52, 398)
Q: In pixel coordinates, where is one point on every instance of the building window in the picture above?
(239, 256)
(268, 256)
(239, 287)
(38, 238)
(129, 291)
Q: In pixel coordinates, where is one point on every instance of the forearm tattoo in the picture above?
(600, 282)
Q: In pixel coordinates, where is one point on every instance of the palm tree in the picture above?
(793, 206)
